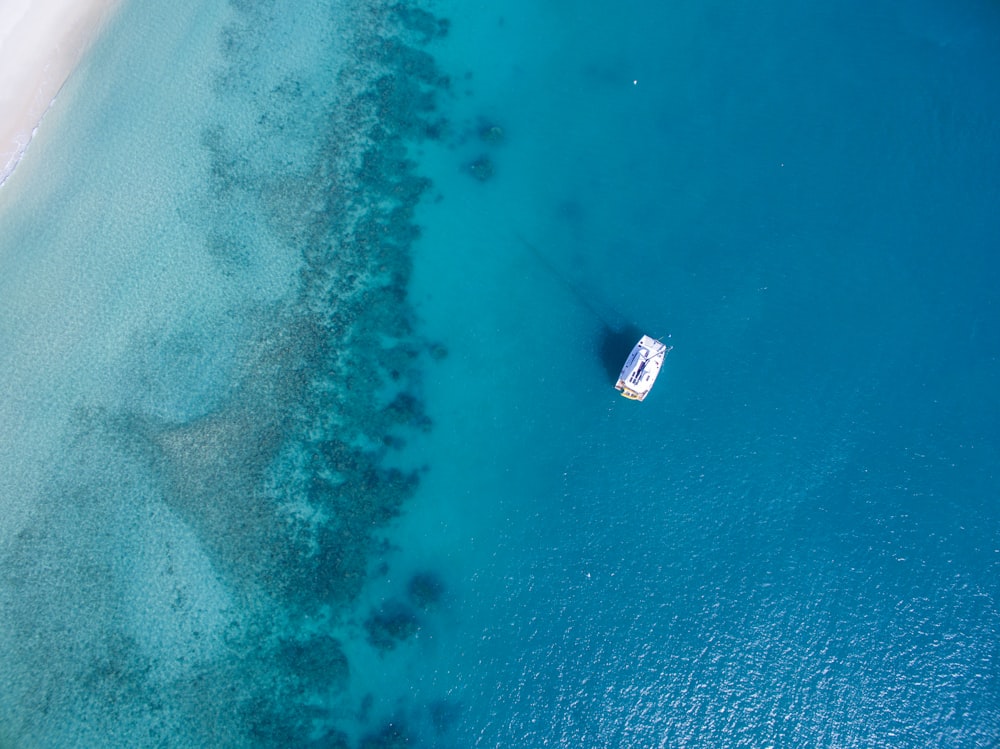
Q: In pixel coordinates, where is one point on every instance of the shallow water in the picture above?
(302, 446)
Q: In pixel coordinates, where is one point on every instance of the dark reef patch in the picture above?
(437, 351)
(391, 736)
(390, 625)
(317, 663)
(490, 132)
(406, 409)
(425, 590)
(421, 22)
(444, 714)
(481, 168)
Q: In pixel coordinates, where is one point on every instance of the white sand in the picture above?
(41, 42)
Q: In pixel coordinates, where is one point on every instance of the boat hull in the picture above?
(641, 368)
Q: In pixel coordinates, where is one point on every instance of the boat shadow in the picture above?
(614, 346)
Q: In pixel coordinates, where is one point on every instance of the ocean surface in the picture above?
(309, 318)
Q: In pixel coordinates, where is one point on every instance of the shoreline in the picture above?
(41, 43)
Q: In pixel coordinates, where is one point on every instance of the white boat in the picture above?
(641, 368)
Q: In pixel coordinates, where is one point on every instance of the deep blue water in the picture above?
(322, 445)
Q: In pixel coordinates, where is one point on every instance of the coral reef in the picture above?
(390, 625)
(481, 168)
(490, 133)
(425, 590)
(283, 482)
(438, 351)
(391, 736)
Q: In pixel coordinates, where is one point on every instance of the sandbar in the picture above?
(41, 43)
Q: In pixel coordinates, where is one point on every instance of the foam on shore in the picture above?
(41, 42)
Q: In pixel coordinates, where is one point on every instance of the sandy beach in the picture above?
(41, 42)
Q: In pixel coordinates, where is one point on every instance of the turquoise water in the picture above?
(309, 319)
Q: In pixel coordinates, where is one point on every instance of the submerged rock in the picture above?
(390, 626)
(491, 133)
(425, 25)
(482, 168)
(425, 590)
(438, 351)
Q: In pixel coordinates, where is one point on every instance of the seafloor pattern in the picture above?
(281, 483)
